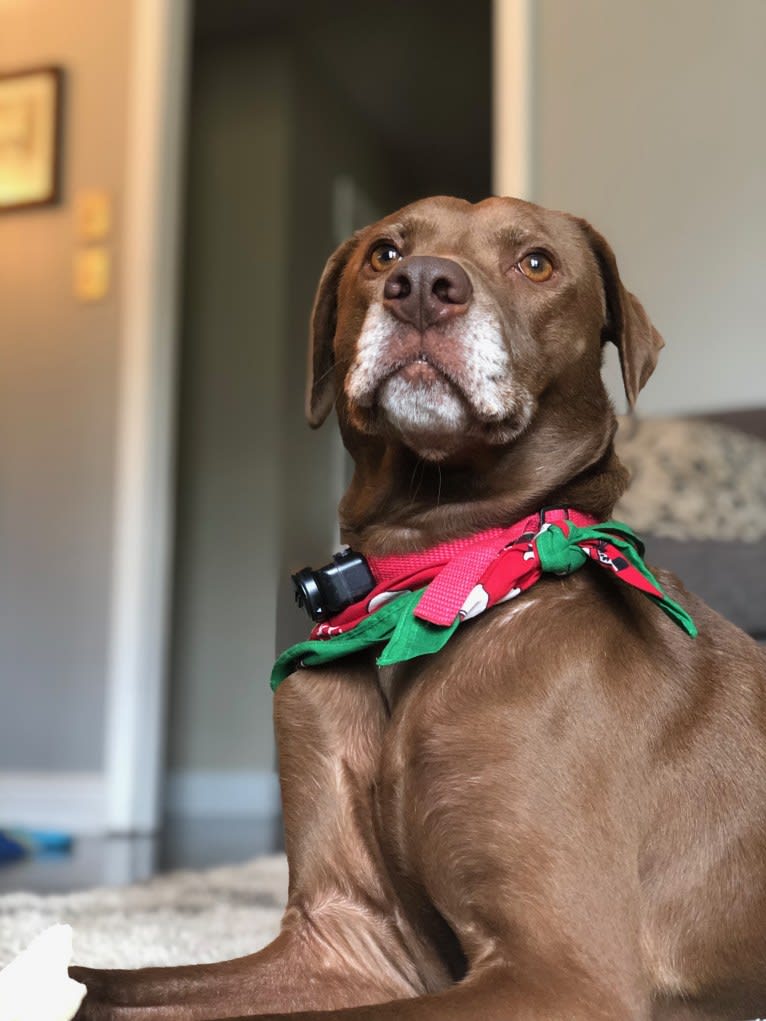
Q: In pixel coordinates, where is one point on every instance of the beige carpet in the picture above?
(180, 918)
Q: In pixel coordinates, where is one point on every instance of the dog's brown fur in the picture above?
(563, 814)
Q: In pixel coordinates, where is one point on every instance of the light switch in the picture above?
(91, 273)
(93, 215)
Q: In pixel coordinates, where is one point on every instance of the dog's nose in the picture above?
(422, 290)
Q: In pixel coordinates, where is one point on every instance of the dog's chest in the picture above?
(436, 725)
(457, 724)
(401, 781)
(387, 679)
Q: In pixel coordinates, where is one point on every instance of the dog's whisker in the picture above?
(323, 377)
(412, 476)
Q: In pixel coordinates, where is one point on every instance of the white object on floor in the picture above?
(35, 986)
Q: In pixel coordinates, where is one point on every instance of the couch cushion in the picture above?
(729, 576)
(698, 498)
(692, 479)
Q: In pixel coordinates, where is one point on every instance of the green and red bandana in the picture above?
(420, 599)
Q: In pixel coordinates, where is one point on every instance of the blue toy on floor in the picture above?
(23, 843)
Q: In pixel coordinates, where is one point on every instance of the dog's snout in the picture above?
(423, 290)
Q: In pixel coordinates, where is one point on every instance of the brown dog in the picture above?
(563, 813)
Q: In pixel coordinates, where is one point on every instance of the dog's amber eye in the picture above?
(383, 256)
(536, 267)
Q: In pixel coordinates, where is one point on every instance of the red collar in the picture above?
(450, 570)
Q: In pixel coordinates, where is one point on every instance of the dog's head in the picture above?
(453, 329)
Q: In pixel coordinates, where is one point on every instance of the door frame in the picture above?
(143, 485)
(513, 41)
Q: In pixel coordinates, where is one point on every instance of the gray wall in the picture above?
(649, 122)
(57, 416)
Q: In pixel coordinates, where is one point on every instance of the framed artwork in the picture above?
(30, 138)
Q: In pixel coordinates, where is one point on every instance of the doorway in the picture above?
(307, 119)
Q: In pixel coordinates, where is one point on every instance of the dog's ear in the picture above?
(320, 382)
(627, 324)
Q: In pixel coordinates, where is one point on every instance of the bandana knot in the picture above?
(558, 553)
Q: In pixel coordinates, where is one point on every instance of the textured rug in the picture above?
(180, 918)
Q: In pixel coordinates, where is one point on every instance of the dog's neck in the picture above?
(397, 502)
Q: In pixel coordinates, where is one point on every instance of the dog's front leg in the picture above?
(523, 832)
(345, 939)
(492, 994)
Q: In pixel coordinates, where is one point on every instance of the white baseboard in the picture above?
(76, 802)
(73, 802)
(223, 793)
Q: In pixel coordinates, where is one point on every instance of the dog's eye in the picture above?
(536, 267)
(383, 256)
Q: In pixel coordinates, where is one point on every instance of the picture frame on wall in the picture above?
(30, 138)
